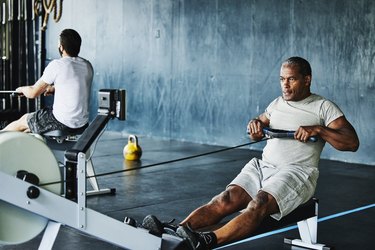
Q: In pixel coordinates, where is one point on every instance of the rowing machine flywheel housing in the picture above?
(21, 151)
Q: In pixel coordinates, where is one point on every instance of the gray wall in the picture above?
(199, 70)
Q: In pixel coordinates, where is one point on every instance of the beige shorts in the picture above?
(290, 185)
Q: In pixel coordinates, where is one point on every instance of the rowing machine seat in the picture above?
(61, 135)
(304, 211)
(306, 217)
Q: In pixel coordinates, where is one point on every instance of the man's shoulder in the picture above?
(317, 97)
(73, 62)
(59, 62)
(322, 100)
(68, 59)
(277, 99)
(314, 99)
(83, 61)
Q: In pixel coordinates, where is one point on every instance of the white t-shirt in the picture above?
(72, 78)
(289, 115)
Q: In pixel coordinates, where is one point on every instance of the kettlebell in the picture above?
(132, 151)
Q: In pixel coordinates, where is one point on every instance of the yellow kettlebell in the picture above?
(132, 151)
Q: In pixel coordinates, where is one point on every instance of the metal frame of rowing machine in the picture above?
(112, 104)
(63, 138)
(71, 210)
(74, 155)
(61, 211)
(308, 229)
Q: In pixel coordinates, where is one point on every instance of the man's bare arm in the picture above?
(33, 91)
(256, 125)
(339, 133)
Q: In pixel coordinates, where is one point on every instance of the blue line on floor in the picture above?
(329, 217)
(346, 212)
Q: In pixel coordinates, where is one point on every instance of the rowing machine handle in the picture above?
(11, 92)
(278, 133)
(16, 94)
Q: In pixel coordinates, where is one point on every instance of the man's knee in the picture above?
(264, 204)
(19, 125)
(224, 198)
(23, 120)
(232, 198)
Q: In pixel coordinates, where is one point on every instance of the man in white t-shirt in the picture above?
(287, 174)
(70, 79)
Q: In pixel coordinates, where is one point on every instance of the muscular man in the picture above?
(287, 174)
(69, 78)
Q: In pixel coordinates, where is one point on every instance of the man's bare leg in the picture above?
(231, 200)
(238, 228)
(247, 222)
(18, 125)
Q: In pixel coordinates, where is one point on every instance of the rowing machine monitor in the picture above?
(112, 101)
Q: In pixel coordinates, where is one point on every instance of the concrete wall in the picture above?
(199, 70)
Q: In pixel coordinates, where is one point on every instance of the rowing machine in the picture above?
(27, 208)
(24, 216)
(112, 104)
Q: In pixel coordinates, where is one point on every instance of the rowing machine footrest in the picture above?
(300, 243)
(170, 242)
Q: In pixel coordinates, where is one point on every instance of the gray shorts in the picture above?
(290, 185)
(42, 121)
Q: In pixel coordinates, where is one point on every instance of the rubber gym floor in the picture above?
(170, 191)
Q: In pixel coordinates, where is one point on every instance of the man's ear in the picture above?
(308, 80)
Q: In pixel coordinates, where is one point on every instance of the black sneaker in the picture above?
(197, 240)
(156, 227)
